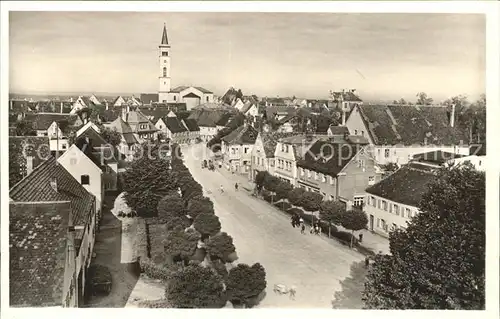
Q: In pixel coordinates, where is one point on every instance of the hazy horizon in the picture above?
(383, 56)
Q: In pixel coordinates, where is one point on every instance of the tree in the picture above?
(200, 205)
(295, 196)
(259, 180)
(332, 212)
(181, 244)
(196, 287)
(146, 181)
(207, 224)
(24, 128)
(284, 189)
(170, 206)
(354, 220)
(110, 135)
(245, 283)
(427, 267)
(220, 246)
(177, 221)
(423, 99)
(310, 201)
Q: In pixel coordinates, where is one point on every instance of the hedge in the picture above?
(161, 303)
(141, 240)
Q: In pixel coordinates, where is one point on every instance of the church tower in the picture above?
(164, 57)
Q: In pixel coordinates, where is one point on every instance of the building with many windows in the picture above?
(237, 149)
(393, 201)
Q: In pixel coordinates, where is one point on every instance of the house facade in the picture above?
(338, 169)
(55, 126)
(237, 149)
(173, 129)
(84, 170)
(263, 153)
(397, 132)
(71, 229)
(393, 201)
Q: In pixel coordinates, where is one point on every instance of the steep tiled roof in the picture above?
(327, 157)
(37, 251)
(269, 140)
(42, 121)
(224, 119)
(338, 130)
(207, 118)
(120, 126)
(405, 186)
(148, 98)
(437, 157)
(406, 124)
(174, 124)
(95, 138)
(191, 125)
(244, 134)
(36, 187)
(136, 118)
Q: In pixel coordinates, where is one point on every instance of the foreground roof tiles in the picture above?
(37, 251)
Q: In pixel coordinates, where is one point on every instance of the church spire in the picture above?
(164, 39)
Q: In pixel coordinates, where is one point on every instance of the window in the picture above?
(362, 133)
(384, 205)
(379, 204)
(332, 180)
(301, 171)
(396, 209)
(64, 147)
(390, 208)
(271, 162)
(384, 224)
(402, 212)
(355, 132)
(246, 150)
(286, 148)
(394, 226)
(164, 72)
(374, 201)
(207, 98)
(387, 153)
(361, 163)
(378, 222)
(371, 180)
(316, 177)
(309, 173)
(408, 213)
(175, 98)
(368, 200)
(282, 147)
(323, 178)
(164, 53)
(358, 201)
(85, 180)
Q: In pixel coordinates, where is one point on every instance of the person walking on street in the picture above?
(302, 228)
(236, 186)
(317, 229)
(221, 189)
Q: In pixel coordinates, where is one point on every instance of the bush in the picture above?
(155, 271)
(295, 195)
(171, 206)
(199, 205)
(245, 282)
(220, 246)
(311, 201)
(284, 206)
(196, 287)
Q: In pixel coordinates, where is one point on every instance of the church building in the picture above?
(190, 95)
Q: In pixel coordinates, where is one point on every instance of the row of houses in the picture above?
(54, 213)
(347, 163)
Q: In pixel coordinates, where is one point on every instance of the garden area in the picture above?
(179, 240)
(329, 216)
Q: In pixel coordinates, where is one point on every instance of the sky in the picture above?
(382, 56)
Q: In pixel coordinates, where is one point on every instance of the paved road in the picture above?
(315, 265)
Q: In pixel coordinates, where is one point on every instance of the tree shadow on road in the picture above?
(350, 297)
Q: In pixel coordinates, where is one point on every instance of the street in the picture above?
(314, 264)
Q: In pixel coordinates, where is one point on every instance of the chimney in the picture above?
(29, 164)
(452, 116)
(53, 183)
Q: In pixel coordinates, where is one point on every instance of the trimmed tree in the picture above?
(171, 206)
(180, 244)
(427, 267)
(311, 201)
(283, 189)
(207, 224)
(220, 247)
(199, 205)
(175, 221)
(332, 212)
(354, 220)
(295, 196)
(245, 283)
(195, 287)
